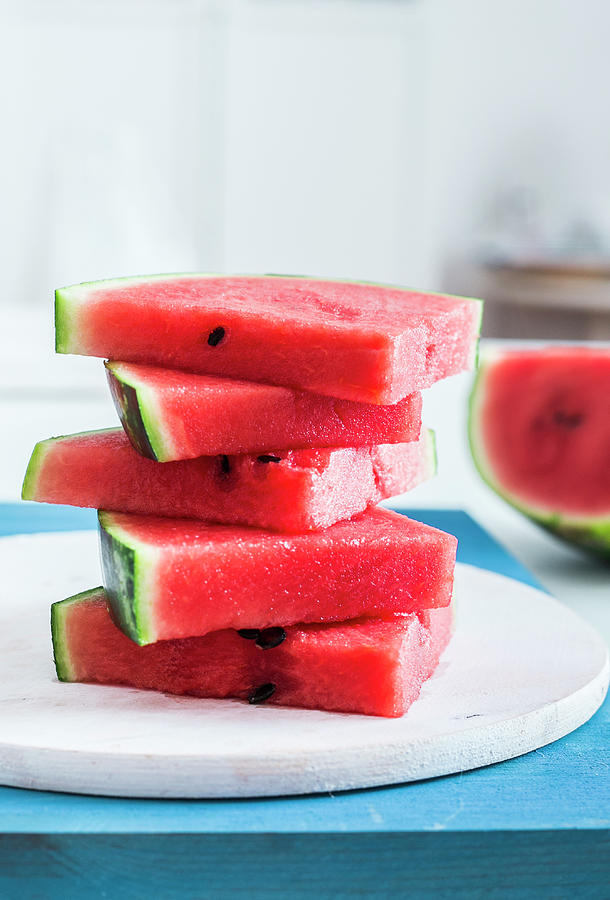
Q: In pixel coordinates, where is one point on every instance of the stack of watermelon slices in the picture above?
(242, 552)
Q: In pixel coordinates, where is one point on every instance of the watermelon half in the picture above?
(353, 340)
(540, 437)
(365, 666)
(175, 578)
(287, 490)
(170, 415)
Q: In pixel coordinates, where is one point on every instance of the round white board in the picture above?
(521, 671)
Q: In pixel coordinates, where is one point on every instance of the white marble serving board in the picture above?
(521, 671)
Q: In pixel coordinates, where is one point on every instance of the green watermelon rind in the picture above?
(35, 465)
(128, 567)
(138, 409)
(62, 322)
(589, 532)
(67, 300)
(61, 644)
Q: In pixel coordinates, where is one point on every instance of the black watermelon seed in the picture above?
(215, 336)
(568, 420)
(270, 638)
(268, 457)
(262, 693)
(250, 634)
(225, 464)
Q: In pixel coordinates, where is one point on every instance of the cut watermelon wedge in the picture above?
(171, 415)
(359, 341)
(540, 437)
(174, 578)
(301, 490)
(365, 666)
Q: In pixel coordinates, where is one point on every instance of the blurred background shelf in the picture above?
(540, 300)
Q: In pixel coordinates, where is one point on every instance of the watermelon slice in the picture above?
(293, 490)
(175, 578)
(171, 415)
(365, 666)
(358, 341)
(540, 437)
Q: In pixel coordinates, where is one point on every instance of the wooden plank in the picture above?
(458, 866)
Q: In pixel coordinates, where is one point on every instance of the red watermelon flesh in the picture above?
(540, 435)
(358, 341)
(170, 415)
(367, 666)
(175, 578)
(287, 491)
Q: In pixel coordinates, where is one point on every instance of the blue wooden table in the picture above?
(533, 827)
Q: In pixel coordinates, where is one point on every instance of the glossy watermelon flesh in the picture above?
(175, 578)
(171, 415)
(540, 436)
(366, 666)
(287, 491)
(358, 341)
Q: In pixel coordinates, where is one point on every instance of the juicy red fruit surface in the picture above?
(294, 491)
(208, 577)
(545, 424)
(203, 415)
(358, 341)
(365, 666)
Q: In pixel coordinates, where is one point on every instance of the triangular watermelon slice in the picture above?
(171, 578)
(365, 666)
(171, 415)
(286, 491)
(354, 340)
(540, 437)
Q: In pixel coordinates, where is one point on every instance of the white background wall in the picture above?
(112, 140)
(519, 99)
(326, 140)
(363, 138)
